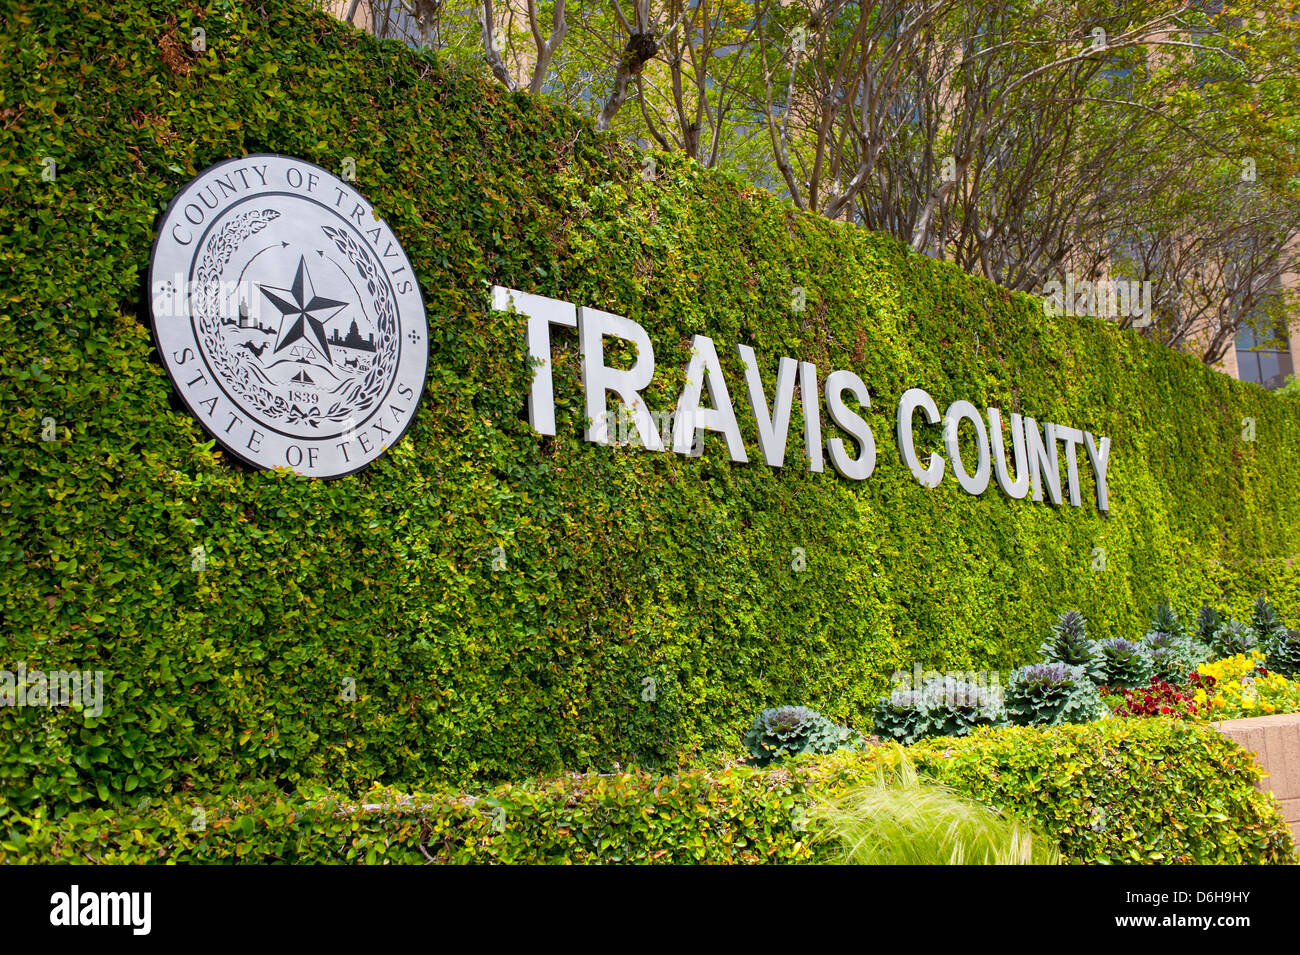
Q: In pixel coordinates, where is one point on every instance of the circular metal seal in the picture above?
(288, 316)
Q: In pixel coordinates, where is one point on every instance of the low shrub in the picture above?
(1111, 791)
(1121, 791)
(1046, 694)
(738, 815)
(1122, 664)
(1245, 687)
(790, 730)
(901, 818)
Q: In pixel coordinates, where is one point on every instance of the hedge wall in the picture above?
(620, 566)
(1123, 791)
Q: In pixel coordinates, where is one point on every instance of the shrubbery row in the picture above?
(1123, 791)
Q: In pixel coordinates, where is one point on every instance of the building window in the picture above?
(1263, 358)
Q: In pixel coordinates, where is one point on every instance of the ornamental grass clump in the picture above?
(1123, 664)
(1047, 694)
(902, 818)
(790, 730)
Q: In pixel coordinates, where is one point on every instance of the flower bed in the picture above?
(1219, 669)
(1245, 687)
(1190, 700)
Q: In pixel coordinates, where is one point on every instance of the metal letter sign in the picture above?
(1036, 460)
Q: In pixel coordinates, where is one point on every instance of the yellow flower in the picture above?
(1241, 689)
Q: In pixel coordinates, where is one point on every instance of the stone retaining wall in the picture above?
(1275, 741)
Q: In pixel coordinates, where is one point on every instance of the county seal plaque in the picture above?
(288, 316)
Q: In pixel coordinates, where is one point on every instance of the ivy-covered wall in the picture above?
(619, 567)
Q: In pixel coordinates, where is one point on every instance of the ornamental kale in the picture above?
(1233, 638)
(791, 730)
(1123, 663)
(1069, 642)
(1283, 652)
(1047, 694)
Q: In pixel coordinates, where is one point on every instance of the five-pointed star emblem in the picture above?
(302, 312)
